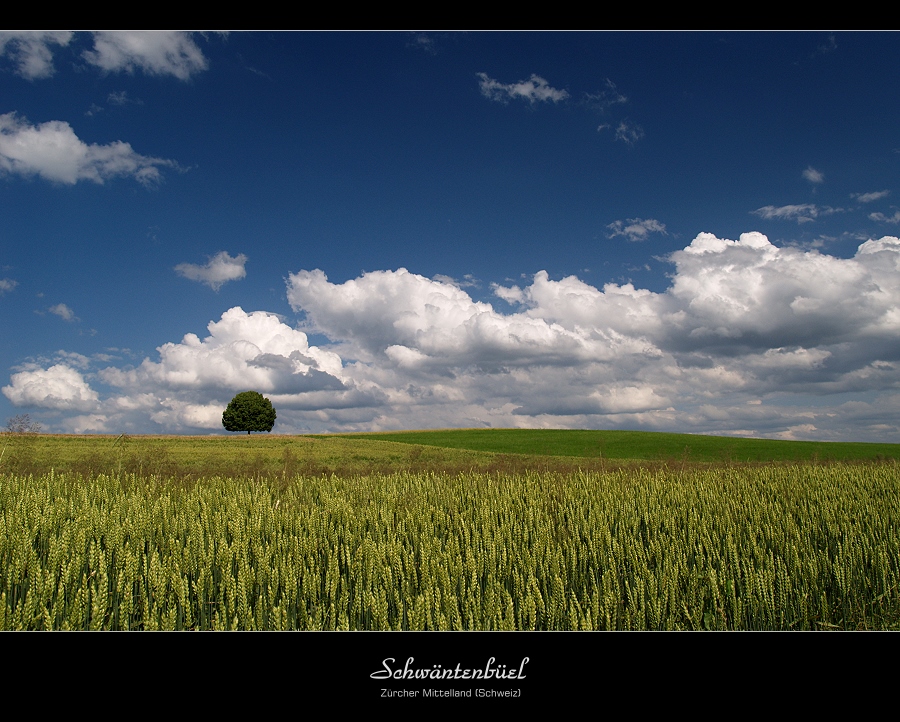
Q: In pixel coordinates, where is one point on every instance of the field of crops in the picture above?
(682, 546)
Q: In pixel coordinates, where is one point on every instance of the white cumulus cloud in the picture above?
(32, 51)
(423, 324)
(155, 53)
(53, 152)
(58, 387)
(748, 339)
(63, 311)
(535, 89)
(220, 269)
(742, 319)
(243, 351)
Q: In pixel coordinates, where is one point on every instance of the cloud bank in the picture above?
(53, 152)
(749, 339)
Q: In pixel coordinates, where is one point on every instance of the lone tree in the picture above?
(249, 411)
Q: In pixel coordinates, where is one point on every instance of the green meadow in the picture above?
(640, 445)
(449, 451)
(466, 529)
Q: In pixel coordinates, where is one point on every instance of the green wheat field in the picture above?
(448, 530)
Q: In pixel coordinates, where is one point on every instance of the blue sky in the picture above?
(666, 231)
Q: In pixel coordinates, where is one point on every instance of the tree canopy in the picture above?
(22, 424)
(249, 411)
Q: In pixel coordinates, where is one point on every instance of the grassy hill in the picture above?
(640, 445)
(451, 451)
